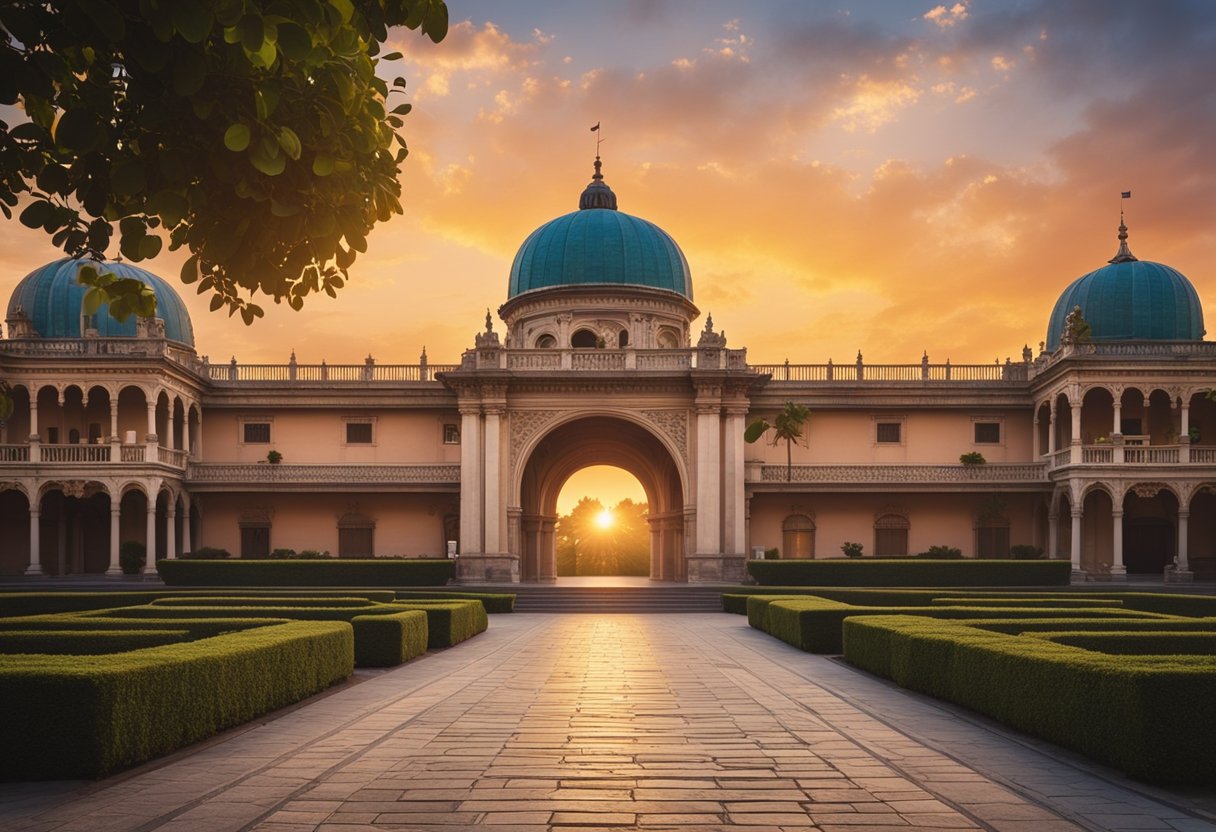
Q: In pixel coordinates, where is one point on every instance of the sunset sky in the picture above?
(893, 177)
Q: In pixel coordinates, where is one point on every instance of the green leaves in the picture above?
(236, 137)
(125, 296)
(78, 130)
(290, 142)
(755, 430)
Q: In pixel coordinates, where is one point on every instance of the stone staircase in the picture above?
(612, 599)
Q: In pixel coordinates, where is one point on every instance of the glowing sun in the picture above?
(605, 519)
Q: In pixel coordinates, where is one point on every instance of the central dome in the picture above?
(598, 245)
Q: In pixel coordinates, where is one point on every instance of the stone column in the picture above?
(1034, 438)
(35, 440)
(35, 564)
(656, 550)
(115, 439)
(1075, 442)
(1053, 535)
(187, 546)
(152, 437)
(1051, 430)
(1077, 514)
(1184, 435)
(150, 537)
(1118, 572)
(115, 536)
(734, 511)
(547, 552)
(1184, 516)
(709, 478)
(186, 431)
(492, 492)
(171, 530)
(1117, 427)
(470, 478)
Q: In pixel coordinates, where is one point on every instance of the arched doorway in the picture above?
(1150, 526)
(74, 525)
(599, 440)
(602, 526)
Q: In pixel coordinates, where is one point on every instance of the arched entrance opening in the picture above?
(600, 440)
(1150, 525)
(74, 526)
(602, 526)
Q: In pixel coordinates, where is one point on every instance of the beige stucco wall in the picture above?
(929, 436)
(319, 436)
(936, 519)
(406, 524)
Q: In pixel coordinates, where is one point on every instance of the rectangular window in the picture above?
(52, 436)
(890, 542)
(255, 541)
(890, 432)
(987, 433)
(256, 433)
(451, 434)
(358, 433)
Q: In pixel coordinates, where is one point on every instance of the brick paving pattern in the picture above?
(589, 722)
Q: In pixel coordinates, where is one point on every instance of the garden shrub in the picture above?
(494, 602)
(1164, 643)
(1023, 551)
(942, 553)
(389, 640)
(89, 716)
(910, 572)
(206, 553)
(368, 572)
(132, 556)
(86, 642)
(278, 554)
(39, 603)
(1153, 717)
(195, 627)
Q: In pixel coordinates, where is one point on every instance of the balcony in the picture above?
(1132, 455)
(922, 373)
(368, 372)
(866, 477)
(263, 476)
(91, 455)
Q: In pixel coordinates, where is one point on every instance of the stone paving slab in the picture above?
(551, 722)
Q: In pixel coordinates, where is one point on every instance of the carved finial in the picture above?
(293, 355)
(1124, 254)
(489, 321)
(709, 322)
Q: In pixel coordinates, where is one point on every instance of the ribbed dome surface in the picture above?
(1134, 300)
(599, 246)
(51, 298)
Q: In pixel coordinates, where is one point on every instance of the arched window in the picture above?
(583, 339)
(798, 537)
(891, 535)
(623, 339)
(668, 339)
(546, 342)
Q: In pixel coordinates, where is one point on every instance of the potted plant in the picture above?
(972, 458)
(274, 457)
(851, 550)
(132, 557)
(1193, 435)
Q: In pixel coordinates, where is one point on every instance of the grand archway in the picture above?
(600, 440)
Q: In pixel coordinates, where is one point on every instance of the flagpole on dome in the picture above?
(1124, 254)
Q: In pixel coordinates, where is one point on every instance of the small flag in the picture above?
(1125, 194)
(596, 128)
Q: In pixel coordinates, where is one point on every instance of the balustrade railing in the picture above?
(75, 453)
(132, 453)
(923, 372)
(14, 453)
(366, 373)
(172, 456)
(1098, 455)
(1150, 455)
(322, 474)
(893, 474)
(1058, 459)
(1202, 456)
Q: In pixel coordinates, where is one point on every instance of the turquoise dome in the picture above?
(598, 245)
(51, 299)
(1131, 300)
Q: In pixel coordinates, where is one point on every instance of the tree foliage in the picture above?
(786, 427)
(586, 548)
(254, 133)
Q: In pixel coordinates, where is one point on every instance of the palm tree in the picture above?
(787, 427)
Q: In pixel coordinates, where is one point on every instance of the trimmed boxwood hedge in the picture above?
(389, 640)
(1153, 717)
(913, 572)
(394, 572)
(40, 603)
(1021, 601)
(88, 716)
(86, 642)
(195, 627)
(815, 624)
(247, 601)
(494, 602)
(1165, 643)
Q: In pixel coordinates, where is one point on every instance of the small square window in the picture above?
(358, 433)
(987, 433)
(890, 432)
(451, 434)
(256, 433)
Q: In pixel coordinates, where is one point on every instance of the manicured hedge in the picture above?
(1021, 601)
(195, 627)
(88, 716)
(494, 602)
(86, 642)
(1018, 626)
(389, 640)
(915, 572)
(1153, 717)
(40, 603)
(247, 601)
(1165, 643)
(450, 622)
(815, 624)
(284, 573)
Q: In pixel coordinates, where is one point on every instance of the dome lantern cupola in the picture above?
(1130, 300)
(597, 194)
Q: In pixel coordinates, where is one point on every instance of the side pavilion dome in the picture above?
(598, 245)
(1131, 300)
(51, 299)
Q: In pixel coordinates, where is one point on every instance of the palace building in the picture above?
(1101, 449)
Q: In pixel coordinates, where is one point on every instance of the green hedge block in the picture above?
(450, 622)
(494, 602)
(248, 601)
(1122, 625)
(86, 642)
(814, 624)
(41, 603)
(1153, 717)
(912, 572)
(389, 640)
(373, 572)
(89, 716)
(195, 627)
(1019, 601)
(1164, 643)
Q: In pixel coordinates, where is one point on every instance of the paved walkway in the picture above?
(628, 721)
